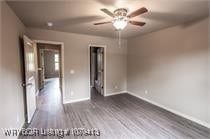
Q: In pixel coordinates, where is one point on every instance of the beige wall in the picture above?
(76, 58)
(171, 65)
(1, 99)
(0, 27)
(11, 92)
(209, 69)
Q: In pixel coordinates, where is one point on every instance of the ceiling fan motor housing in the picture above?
(121, 12)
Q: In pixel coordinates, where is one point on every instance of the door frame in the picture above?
(96, 45)
(62, 64)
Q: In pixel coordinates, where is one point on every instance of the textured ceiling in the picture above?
(78, 16)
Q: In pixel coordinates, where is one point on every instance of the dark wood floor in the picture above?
(119, 116)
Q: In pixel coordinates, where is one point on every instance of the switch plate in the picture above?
(72, 71)
(146, 92)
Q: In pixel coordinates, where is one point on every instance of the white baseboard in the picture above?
(115, 93)
(76, 100)
(173, 111)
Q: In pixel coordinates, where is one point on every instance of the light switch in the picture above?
(72, 71)
(146, 92)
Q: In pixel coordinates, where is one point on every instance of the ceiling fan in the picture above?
(122, 18)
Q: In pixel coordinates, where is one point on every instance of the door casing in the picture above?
(89, 47)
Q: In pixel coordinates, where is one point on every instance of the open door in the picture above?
(30, 77)
(100, 67)
(41, 68)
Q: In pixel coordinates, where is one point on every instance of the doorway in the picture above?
(49, 63)
(50, 72)
(97, 70)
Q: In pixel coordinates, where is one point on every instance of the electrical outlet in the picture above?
(146, 92)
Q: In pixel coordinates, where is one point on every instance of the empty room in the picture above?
(106, 69)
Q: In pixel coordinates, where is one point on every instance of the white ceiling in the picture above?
(78, 16)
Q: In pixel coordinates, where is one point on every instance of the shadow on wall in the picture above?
(174, 18)
(194, 21)
(78, 20)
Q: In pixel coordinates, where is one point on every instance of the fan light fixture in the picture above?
(120, 20)
(120, 23)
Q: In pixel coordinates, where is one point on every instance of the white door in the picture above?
(100, 62)
(41, 68)
(30, 77)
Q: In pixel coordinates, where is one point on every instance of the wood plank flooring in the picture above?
(117, 117)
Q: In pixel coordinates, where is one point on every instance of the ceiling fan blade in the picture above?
(137, 12)
(100, 23)
(137, 23)
(107, 12)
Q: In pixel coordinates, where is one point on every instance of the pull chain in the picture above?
(119, 41)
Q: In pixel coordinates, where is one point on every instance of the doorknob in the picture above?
(27, 84)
